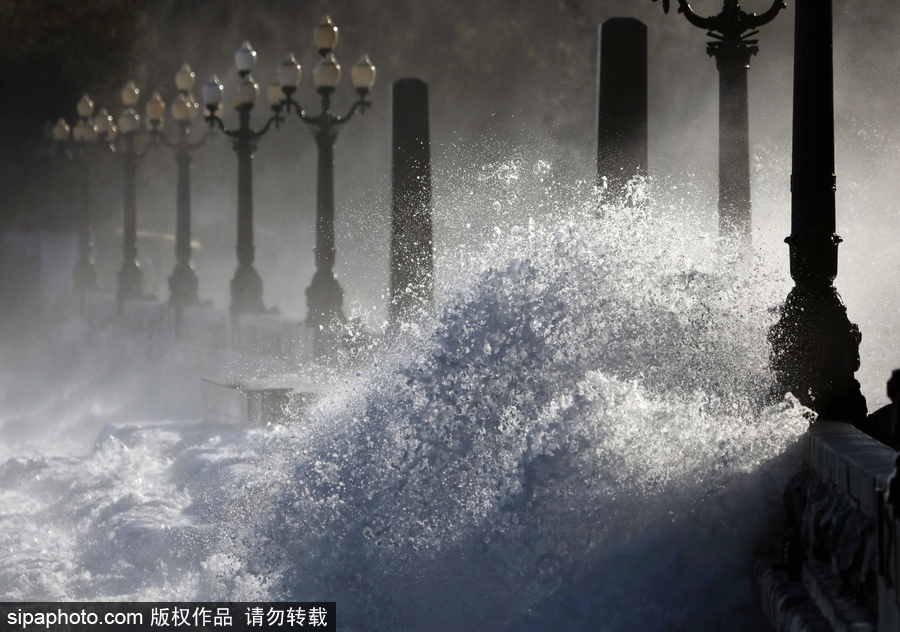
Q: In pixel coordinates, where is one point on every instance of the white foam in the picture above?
(578, 434)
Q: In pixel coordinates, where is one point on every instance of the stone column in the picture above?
(622, 102)
(412, 258)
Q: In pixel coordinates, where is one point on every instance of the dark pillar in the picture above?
(412, 257)
(815, 348)
(130, 279)
(183, 285)
(324, 296)
(246, 285)
(732, 61)
(85, 275)
(622, 102)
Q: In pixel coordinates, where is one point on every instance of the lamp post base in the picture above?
(815, 353)
(183, 286)
(85, 276)
(325, 299)
(246, 291)
(130, 283)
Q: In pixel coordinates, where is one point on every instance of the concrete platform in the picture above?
(255, 401)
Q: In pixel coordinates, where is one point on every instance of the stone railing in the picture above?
(840, 561)
(205, 332)
(245, 371)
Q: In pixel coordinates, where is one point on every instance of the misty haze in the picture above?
(578, 434)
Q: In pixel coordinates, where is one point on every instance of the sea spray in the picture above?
(577, 438)
(585, 400)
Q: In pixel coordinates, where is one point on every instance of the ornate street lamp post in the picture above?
(130, 279)
(732, 49)
(324, 296)
(246, 286)
(815, 347)
(183, 284)
(82, 152)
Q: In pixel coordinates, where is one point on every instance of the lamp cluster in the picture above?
(103, 128)
(87, 129)
(184, 107)
(326, 74)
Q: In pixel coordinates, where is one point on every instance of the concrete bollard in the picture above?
(621, 102)
(412, 257)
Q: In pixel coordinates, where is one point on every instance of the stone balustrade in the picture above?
(203, 329)
(840, 561)
(244, 370)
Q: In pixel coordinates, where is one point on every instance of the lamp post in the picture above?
(732, 50)
(183, 284)
(84, 136)
(324, 296)
(246, 285)
(815, 347)
(130, 280)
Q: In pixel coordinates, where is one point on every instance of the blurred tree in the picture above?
(52, 51)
